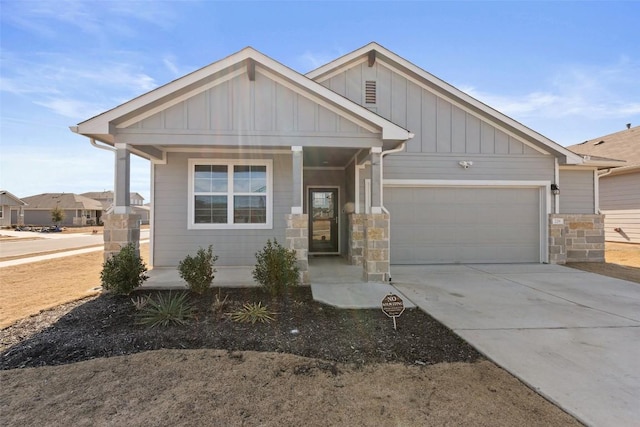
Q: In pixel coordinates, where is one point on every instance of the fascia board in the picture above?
(101, 124)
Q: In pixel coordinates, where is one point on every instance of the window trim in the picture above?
(230, 163)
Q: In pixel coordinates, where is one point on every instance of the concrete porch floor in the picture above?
(333, 282)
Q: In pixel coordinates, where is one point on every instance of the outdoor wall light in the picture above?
(466, 164)
(555, 190)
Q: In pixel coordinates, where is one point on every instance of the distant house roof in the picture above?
(8, 199)
(623, 145)
(63, 201)
(107, 195)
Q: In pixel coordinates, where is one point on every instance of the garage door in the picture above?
(447, 225)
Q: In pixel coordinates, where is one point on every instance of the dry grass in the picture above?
(30, 288)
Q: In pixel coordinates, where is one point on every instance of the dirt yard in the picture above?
(217, 387)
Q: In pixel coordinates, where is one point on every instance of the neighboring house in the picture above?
(78, 210)
(619, 188)
(135, 199)
(369, 157)
(10, 206)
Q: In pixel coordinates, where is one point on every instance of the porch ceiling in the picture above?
(327, 157)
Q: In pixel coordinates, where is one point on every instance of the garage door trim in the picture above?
(543, 186)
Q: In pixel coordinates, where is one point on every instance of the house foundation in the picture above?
(119, 231)
(576, 238)
(375, 265)
(297, 238)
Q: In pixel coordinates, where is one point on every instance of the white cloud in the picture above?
(97, 18)
(73, 87)
(590, 92)
(312, 60)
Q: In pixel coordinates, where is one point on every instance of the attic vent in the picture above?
(370, 92)
(599, 142)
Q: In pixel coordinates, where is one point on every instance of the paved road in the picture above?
(33, 243)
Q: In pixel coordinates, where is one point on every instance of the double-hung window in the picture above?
(230, 194)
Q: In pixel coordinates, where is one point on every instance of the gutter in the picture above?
(384, 153)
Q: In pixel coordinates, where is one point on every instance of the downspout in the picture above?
(384, 153)
(596, 188)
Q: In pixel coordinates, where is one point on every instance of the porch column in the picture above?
(297, 232)
(376, 183)
(121, 227)
(296, 178)
(122, 178)
(375, 262)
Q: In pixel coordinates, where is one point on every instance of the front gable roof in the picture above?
(105, 126)
(373, 51)
(8, 199)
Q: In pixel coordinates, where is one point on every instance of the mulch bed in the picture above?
(106, 326)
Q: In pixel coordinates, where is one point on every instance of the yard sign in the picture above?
(393, 307)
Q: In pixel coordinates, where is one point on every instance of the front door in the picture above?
(323, 220)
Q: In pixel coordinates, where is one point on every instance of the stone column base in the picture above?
(297, 236)
(356, 239)
(576, 238)
(376, 266)
(119, 231)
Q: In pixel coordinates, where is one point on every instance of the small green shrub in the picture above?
(252, 312)
(198, 271)
(166, 309)
(124, 271)
(276, 268)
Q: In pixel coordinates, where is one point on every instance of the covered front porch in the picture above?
(333, 281)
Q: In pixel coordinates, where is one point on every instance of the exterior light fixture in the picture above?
(465, 164)
(555, 190)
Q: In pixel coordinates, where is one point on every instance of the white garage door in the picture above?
(447, 225)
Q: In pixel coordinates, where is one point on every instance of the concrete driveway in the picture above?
(571, 335)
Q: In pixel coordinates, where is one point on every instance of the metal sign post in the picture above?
(393, 306)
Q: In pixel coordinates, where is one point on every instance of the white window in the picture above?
(230, 194)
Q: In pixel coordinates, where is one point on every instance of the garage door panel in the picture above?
(464, 225)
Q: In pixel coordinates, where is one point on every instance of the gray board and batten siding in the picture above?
(235, 247)
(493, 215)
(241, 113)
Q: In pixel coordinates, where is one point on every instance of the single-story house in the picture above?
(136, 201)
(10, 204)
(369, 157)
(619, 189)
(78, 210)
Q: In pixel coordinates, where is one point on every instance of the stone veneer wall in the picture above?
(376, 248)
(356, 239)
(580, 238)
(119, 231)
(297, 236)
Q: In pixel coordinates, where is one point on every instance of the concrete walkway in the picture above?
(571, 335)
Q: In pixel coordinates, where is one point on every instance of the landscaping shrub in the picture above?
(252, 312)
(166, 309)
(124, 271)
(198, 271)
(276, 268)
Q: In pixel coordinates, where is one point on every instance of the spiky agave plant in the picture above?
(166, 309)
(253, 312)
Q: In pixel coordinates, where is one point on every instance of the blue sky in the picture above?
(569, 70)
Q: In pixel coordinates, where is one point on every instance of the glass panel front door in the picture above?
(323, 220)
